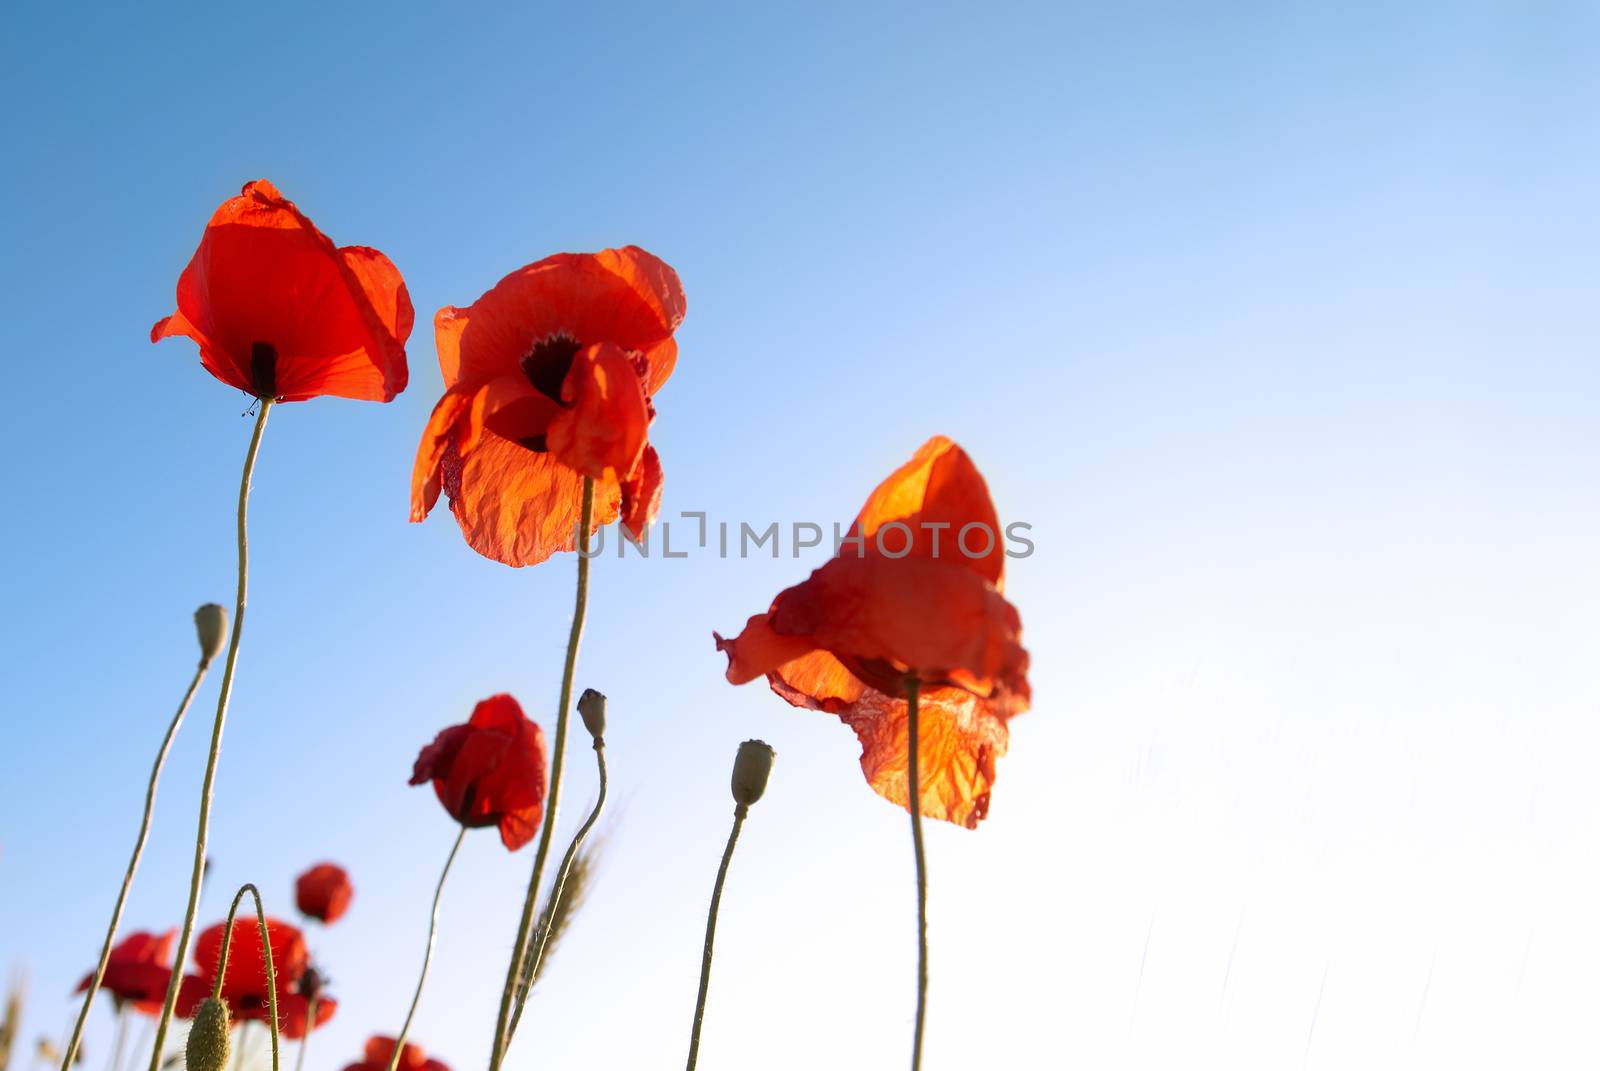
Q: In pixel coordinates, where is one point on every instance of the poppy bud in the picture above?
(592, 705)
(211, 624)
(207, 1047)
(751, 768)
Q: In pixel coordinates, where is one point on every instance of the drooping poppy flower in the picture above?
(323, 892)
(380, 1050)
(245, 988)
(280, 312)
(914, 592)
(490, 771)
(138, 971)
(548, 379)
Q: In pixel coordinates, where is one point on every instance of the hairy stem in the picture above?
(520, 951)
(739, 812)
(133, 865)
(914, 789)
(208, 786)
(530, 970)
(427, 954)
(266, 954)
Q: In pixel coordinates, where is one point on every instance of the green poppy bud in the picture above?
(751, 768)
(592, 706)
(211, 625)
(207, 1047)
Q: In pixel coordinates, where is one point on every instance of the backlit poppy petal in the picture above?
(490, 771)
(323, 892)
(277, 310)
(641, 494)
(942, 505)
(902, 606)
(517, 506)
(137, 971)
(960, 736)
(559, 360)
(601, 431)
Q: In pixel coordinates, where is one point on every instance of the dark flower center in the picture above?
(548, 363)
(311, 983)
(264, 370)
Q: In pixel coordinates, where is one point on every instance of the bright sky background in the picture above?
(1277, 324)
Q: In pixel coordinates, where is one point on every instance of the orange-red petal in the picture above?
(336, 320)
(601, 432)
(517, 506)
(624, 296)
(936, 495)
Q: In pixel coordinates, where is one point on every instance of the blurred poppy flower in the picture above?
(280, 312)
(323, 892)
(490, 771)
(380, 1050)
(244, 989)
(548, 379)
(137, 972)
(911, 597)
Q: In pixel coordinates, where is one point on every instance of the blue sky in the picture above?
(1277, 324)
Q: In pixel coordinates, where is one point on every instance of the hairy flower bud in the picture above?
(592, 706)
(207, 1047)
(751, 768)
(211, 625)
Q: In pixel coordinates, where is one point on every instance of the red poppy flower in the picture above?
(490, 771)
(281, 312)
(380, 1049)
(919, 596)
(323, 892)
(137, 972)
(245, 989)
(548, 379)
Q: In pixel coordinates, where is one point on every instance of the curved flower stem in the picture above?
(266, 954)
(133, 865)
(207, 787)
(519, 951)
(914, 798)
(427, 955)
(530, 969)
(119, 1039)
(739, 812)
(311, 1024)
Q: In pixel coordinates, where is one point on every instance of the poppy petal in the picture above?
(641, 494)
(959, 737)
(624, 296)
(601, 432)
(943, 510)
(331, 321)
(517, 506)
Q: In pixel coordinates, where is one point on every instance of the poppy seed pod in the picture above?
(592, 706)
(751, 768)
(211, 625)
(207, 1047)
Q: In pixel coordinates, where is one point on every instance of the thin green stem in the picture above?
(266, 954)
(519, 951)
(530, 970)
(739, 812)
(311, 1025)
(208, 785)
(914, 789)
(427, 954)
(119, 1040)
(133, 865)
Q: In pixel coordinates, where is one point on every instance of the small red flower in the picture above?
(549, 378)
(323, 892)
(919, 596)
(380, 1050)
(490, 771)
(137, 972)
(245, 989)
(280, 312)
